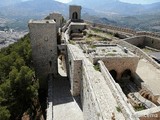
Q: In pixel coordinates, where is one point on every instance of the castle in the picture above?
(96, 72)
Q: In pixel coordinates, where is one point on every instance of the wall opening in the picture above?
(75, 15)
(126, 73)
(62, 70)
(114, 74)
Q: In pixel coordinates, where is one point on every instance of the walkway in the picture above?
(65, 106)
(149, 74)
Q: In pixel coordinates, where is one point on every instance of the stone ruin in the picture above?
(104, 71)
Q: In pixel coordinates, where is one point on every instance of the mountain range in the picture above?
(105, 11)
(118, 7)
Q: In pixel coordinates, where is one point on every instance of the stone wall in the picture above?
(118, 94)
(75, 72)
(138, 52)
(125, 30)
(120, 64)
(137, 41)
(77, 28)
(142, 41)
(151, 34)
(74, 9)
(152, 42)
(57, 17)
(66, 25)
(120, 29)
(91, 110)
(44, 48)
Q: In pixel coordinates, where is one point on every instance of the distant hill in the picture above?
(34, 8)
(117, 7)
(8, 2)
(20, 12)
(113, 12)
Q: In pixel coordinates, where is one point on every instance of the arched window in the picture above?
(75, 15)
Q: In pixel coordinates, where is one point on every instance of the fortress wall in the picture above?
(120, 29)
(75, 72)
(152, 42)
(142, 41)
(151, 34)
(138, 52)
(66, 25)
(137, 41)
(91, 110)
(126, 30)
(118, 94)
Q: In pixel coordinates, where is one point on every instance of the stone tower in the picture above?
(43, 37)
(58, 18)
(75, 12)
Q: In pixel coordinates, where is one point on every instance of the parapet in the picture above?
(41, 21)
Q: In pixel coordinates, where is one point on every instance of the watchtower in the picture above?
(44, 49)
(75, 12)
(58, 18)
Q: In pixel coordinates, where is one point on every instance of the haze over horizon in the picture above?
(127, 1)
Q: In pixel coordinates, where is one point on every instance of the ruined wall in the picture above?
(44, 48)
(138, 52)
(118, 94)
(152, 42)
(120, 64)
(142, 41)
(123, 63)
(137, 41)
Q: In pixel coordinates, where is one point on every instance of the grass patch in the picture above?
(139, 108)
(114, 50)
(92, 46)
(97, 67)
(72, 42)
(118, 109)
(111, 54)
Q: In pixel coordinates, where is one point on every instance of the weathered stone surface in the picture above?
(44, 48)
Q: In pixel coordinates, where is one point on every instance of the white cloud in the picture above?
(64, 1)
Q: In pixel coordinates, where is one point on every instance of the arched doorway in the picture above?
(75, 15)
(114, 74)
(126, 73)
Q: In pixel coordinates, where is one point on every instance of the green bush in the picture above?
(17, 84)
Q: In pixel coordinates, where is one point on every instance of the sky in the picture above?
(128, 1)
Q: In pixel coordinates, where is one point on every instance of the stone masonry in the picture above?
(58, 18)
(75, 12)
(44, 48)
